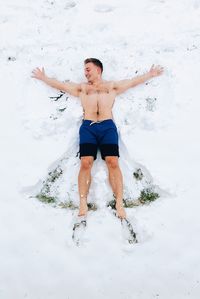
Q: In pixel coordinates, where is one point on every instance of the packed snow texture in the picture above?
(158, 127)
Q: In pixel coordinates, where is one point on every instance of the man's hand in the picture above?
(69, 87)
(123, 85)
(38, 74)
(156, 70)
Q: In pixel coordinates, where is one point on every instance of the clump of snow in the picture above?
(38, 133)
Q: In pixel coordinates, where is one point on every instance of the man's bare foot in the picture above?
(83, 208)
(120, 211)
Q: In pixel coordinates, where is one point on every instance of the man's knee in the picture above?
(86, 162)
(112, 162)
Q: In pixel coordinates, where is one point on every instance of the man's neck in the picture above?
(95, 82)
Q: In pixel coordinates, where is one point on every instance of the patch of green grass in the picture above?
(128, 203)
(138, 174)
(148, 195)
(54, 175)
(111, 204)
(45, 198)
(92, 206)
(46, 188)
(70, 205)
(62, 109)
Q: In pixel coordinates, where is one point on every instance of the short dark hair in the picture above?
(96, 61)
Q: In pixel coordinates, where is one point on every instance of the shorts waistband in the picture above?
(91, 122)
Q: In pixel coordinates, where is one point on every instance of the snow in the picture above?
(158, 125)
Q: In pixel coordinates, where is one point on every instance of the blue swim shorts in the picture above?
(100, 134)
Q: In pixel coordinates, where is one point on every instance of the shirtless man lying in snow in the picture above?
(98, 129)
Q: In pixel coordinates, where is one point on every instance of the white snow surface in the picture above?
(158, 124)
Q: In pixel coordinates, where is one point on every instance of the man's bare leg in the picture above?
(84, 181)
(116, 182)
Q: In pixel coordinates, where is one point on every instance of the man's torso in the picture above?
(97, 101)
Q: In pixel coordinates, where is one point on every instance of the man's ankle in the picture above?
(119, 202)
(83, 199)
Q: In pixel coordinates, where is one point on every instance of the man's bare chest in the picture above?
(98, 95)
(97, 90)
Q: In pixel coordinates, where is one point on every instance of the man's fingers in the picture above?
(34, 73)
(161, 68)
(156, 67)
(38, 73)
(37, 70)
(156, 70)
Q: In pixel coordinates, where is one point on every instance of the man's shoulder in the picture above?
(82, 86)
(109, 84)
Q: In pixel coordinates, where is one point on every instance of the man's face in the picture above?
(91, 71)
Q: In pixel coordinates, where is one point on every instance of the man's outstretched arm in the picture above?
(69, 87)
(123, 85)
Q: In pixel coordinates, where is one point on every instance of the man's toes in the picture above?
(121, 214)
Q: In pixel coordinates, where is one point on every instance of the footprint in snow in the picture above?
(103, 8)
(70, 4)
